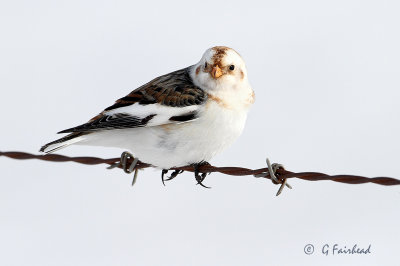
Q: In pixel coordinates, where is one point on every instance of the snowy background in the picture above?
(326, 78)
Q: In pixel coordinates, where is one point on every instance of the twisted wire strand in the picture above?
(234, 171)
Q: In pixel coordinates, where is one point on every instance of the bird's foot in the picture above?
(125, 156)
(172, 176)
(200, 177)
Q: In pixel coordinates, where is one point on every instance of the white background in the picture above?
(326, 77)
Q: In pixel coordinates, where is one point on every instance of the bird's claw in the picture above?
(200, 177)
(172, 176)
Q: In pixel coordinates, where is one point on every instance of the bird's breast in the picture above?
(214, 129)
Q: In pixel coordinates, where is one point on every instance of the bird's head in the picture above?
(222, 73)
(220, 66)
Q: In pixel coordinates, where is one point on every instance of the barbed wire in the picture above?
(279, 175)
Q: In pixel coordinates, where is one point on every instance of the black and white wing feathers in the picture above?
(167, 99)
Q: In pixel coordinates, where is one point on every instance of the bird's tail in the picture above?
(62, 142)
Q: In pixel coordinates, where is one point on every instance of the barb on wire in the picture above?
(275, 172)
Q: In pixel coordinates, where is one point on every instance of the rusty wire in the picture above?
(281, 173)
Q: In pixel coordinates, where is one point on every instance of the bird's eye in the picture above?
(231, 67)
(205, 65)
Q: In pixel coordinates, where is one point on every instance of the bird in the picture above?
(182, 118)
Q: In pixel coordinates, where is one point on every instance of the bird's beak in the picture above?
(216, 72)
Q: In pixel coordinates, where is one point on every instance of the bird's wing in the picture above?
(172, 98)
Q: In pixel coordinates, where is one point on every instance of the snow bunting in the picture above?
(181, 118)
